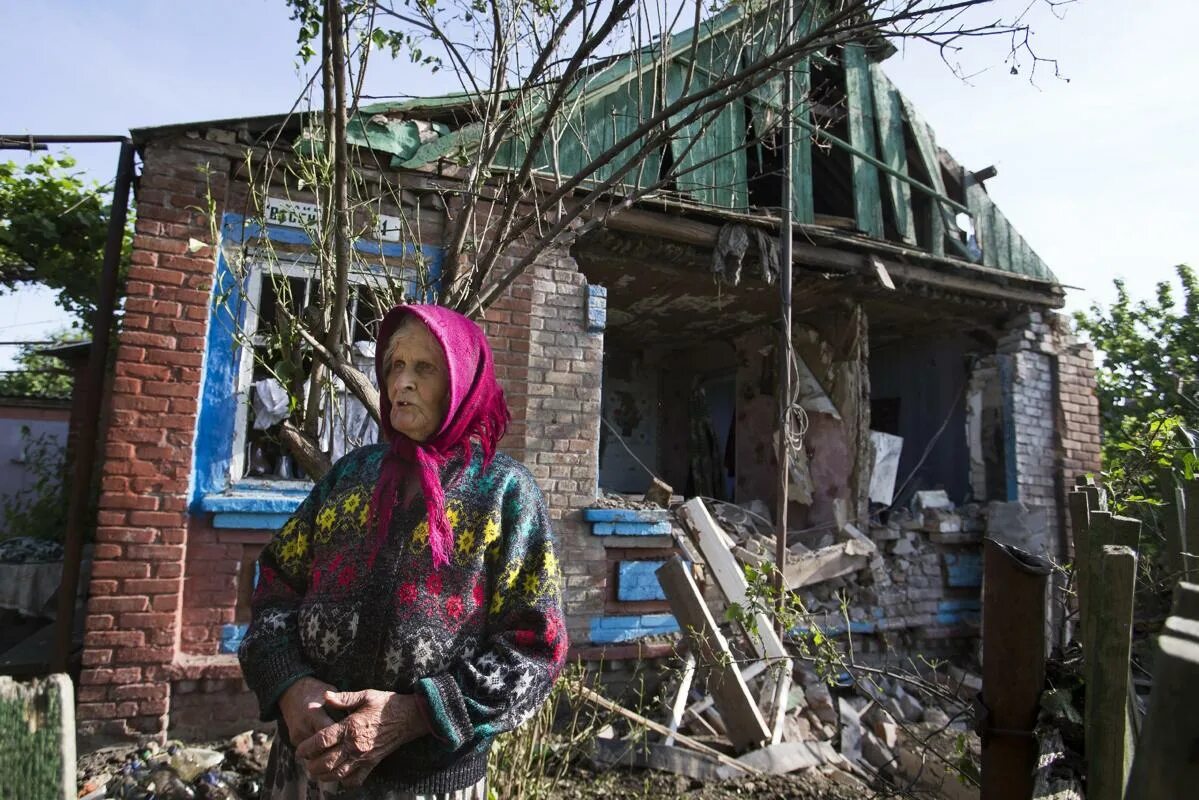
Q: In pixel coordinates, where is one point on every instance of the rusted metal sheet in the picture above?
(1014, 586)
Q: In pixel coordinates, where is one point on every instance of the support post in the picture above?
(1190, 531)
(1166, 766)
(1080, 525)
(785, 343)
(1014, 585)
(89, 426)
(1108, 733)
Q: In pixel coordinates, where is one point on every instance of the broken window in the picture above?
(273, 378)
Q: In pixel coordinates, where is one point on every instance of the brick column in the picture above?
(133, 615)
(562, 428)
(1078, 407)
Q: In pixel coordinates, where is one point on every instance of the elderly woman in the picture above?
(410, 610)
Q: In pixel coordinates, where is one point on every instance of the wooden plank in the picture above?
(803, 203)
(867, 196)
(927, 147)
(745, 725)
(980, 213)
(598, 700)
(1108, 734)
(1080, 523)
(1186, 601)
(37, 732)
(1165, 766)
(750, 672)
(1002, 237)
(1181, 628)
(662, 757)
(894, 150)
(730, 577)
(1174, 528)
(680, 699)
(779, 759)
(1190, 531)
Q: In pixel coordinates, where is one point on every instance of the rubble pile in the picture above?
(748, 702)
(229, 770)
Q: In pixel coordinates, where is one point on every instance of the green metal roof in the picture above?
(611, 103)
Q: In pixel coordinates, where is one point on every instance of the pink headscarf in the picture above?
(476, 410)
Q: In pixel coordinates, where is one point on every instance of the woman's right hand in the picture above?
(303, 708)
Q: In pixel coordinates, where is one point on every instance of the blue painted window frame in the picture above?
(248, 503)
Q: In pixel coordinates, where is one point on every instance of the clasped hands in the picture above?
(376, 724)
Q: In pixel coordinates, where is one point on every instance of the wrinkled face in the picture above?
(418, 381)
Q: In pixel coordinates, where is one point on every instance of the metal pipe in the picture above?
(92, 399)
(1014, 585)
(22, 141)
(784, 374)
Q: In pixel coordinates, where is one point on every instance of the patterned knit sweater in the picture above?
(480, 640)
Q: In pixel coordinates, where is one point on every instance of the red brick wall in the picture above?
(133, 615)
(165, 582)
(1078, 407)
(562, 444)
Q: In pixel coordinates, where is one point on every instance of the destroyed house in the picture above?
(939, 392)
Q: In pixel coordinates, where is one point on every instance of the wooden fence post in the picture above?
(37, 738)
(1167, 761)
(1109, 737)
(1174, 527)
(1190, 531)
(1186, 601)
(1104, 530)
(1080, 525)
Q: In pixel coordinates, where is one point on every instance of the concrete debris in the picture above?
(622, 501)
(875, 752)
(935, 717)
(659, 493)
(893, 578)
(851, 730)
(941, 521)
(926, 501)
(820, 701)
(913, 709)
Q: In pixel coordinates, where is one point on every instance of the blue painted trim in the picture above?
(1008, 389)
(231, 636)
(631, 528)
(611, 630)
(833, 631)
(213, 450)
(218, 394)
(250, 521)
(964, 570)
(284, 501)
(626, 515)
(638, 580)
(597, 308)
(957, 612)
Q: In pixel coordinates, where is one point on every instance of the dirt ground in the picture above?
(583, 784)
(580, 782)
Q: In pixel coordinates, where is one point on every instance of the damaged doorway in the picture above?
(670, 411)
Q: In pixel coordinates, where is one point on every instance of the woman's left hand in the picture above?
(377, 725)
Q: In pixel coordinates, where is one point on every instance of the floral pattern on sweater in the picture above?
(481, 639)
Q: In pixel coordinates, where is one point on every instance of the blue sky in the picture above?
(1097, 173)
